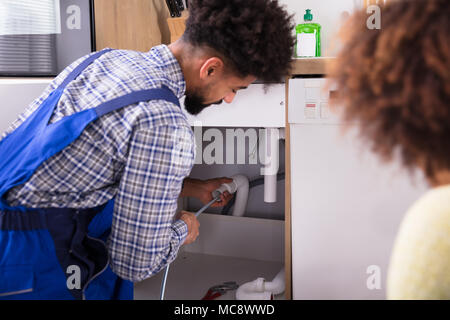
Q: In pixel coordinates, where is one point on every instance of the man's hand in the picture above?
(202, 190)
(208, 186)
(192, 224)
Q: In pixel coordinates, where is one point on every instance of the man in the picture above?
(104, 152)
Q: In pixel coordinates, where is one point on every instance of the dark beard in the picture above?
(193, 103)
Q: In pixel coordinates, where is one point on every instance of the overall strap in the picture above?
(162, 93)
(35, 141)
(78, 69)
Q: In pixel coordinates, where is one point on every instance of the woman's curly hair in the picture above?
(255, 36)
(395, 82)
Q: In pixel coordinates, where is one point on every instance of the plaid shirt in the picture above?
(139, 154)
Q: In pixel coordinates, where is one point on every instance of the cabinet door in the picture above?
(131, 24)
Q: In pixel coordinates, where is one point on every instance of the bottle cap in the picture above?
(308, 16)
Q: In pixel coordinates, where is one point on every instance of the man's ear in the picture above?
(211, 68)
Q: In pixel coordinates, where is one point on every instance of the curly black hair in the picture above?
(395, 82)
(254, 36)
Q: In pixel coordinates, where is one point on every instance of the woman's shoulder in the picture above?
(420, 260)
(433, 207)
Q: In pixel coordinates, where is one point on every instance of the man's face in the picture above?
(223, 89)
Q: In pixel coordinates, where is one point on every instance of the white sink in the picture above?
(252, 107)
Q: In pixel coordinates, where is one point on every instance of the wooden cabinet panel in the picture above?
(131, 24)
(177, 26)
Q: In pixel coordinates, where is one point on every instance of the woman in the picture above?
(395, 82)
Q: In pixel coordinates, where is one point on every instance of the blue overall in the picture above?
(57, 253)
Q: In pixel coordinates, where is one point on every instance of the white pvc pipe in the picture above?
(271, 163)
(242, 186)
(253, 290)
(270, 188)
(260, 289)
(277, 285)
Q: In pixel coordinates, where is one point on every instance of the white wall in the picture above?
(16, 95)
(346, 209)
(328, 13)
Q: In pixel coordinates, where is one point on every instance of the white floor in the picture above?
(192, 274)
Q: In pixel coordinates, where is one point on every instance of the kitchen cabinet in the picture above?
(131, 24)
(343, 206)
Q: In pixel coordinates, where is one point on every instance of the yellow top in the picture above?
(420, 261)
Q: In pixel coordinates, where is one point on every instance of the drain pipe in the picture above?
(240, 204)
(240, 185)
(271, 162)
(260, 289)
(252, 184)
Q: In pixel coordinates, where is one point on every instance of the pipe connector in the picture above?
(253, 290)
(240, 185)
(260, 289)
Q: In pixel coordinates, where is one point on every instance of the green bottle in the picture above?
(308, 37)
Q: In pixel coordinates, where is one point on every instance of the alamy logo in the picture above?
(373, 281)
(73, 21)
(74, 277)
(374, 20)
(229, 146)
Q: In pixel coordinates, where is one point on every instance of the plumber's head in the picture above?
(227, 45)
(212, 80)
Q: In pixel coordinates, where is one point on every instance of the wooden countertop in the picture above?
(305, 66)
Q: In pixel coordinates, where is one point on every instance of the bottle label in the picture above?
(306, 44)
